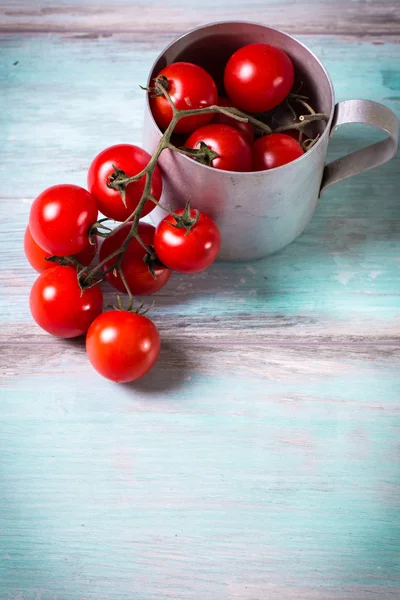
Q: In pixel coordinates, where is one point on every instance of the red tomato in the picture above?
(187, 252)
(274, 150)
(130, 159)
(58, 305)
(258, 77)
(36, 255)
(246, 129)
(135, 270)
(60, 219)
(189, 86)
(122, 346)
(232, 147)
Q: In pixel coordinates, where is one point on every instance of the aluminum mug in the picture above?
(259, 213)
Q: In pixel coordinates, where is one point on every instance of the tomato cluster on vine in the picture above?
(257, 78)
(125, 184)
(60, 243)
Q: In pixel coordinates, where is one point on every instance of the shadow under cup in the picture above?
(258, 213)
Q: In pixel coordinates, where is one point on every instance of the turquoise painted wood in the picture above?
(260, 459)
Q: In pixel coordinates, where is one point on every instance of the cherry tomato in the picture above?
(58, 305)
(187, 252)
(36, 255)
(135, 270)
(258, 77)
(131, 160)
(234, 151)
(61, 217)
(122, 346)
(189, 86)
(246, 129)
(274, 150)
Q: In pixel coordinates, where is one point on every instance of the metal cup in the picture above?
(259, 213)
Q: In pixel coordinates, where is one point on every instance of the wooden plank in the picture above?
(146, 19)
(231, 489)
(260, 459)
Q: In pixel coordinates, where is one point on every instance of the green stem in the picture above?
(306, 105)
(314, 117)
(157, 203)
(303, 121)
(296, 96)
(180, 150)
(123, 279)
(101, 264)
(290, 107)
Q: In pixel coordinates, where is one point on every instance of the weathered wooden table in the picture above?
(260, 459)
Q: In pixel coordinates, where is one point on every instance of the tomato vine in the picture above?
(119, 181)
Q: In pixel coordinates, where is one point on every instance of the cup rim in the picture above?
(212, 24)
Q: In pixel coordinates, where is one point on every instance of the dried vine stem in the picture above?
(121, 181)
(303, 121)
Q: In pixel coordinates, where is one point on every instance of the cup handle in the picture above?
(369, 113)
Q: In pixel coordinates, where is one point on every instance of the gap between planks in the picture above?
(376, 36)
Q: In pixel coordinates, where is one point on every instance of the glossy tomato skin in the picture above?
(232, 147)
(36, 255)
(122, 346)
(246, 129)
(190, 87)
(58, 306)
(130, 159)
(258, 77)
(187, 252)
(275, 150)
(60, 219)
(135, 270)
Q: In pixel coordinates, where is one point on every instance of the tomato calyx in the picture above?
(203, 155)
(85, 281)
(117, 181)
(185, 220)
(160, 84)
(136, 310)
(152, 261)
(65, 261)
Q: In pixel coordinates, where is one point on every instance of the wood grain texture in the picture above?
(346, 17)
(260, 459)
